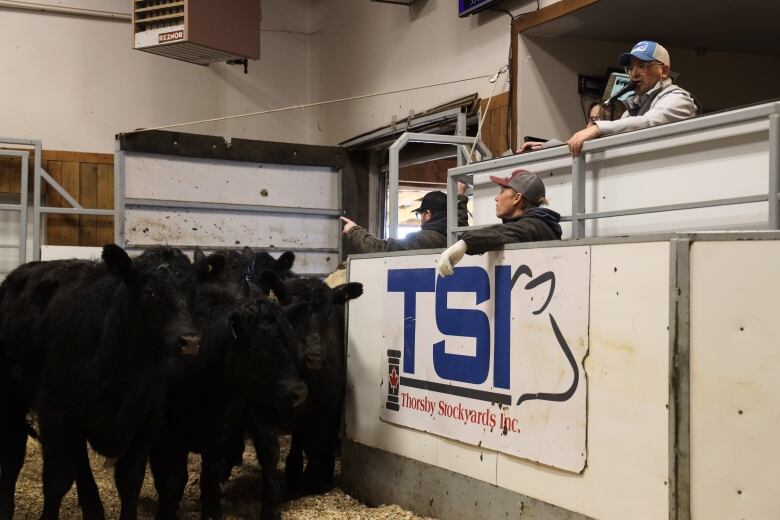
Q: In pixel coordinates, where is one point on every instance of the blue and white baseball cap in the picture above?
(646, 51)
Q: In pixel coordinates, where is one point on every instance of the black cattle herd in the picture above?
(153, 357)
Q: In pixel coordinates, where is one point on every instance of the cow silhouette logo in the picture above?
(393, 379)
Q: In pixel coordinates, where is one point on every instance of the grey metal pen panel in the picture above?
(216, 204)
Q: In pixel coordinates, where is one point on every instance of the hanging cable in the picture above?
(494, 81)
(308, 105)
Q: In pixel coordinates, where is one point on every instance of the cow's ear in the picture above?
(297, 312)
(198, 255)
(119, 263)
(347, 291)
(248, 253)
(270, 281)
(208, 268)
(285, 262)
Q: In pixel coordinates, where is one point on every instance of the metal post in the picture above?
(452, 190)
(23, 211)
(774, 171)
(679, 380)
(37, 203)
(392, 188)
(578, 196)
(373, 194)
(119, 195)
(460, 129)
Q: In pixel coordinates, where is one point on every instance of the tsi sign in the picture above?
(492, 355)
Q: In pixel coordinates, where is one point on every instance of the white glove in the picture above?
(451, 256)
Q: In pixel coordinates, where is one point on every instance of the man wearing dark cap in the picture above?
(656, 100)
(433, 226)
(518, 205)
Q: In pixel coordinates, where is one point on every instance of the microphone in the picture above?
(629, 87)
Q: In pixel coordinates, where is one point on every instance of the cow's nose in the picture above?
(189, 345)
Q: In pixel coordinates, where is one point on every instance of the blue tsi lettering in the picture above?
(459, 322)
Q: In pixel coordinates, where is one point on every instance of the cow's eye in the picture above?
(151, 294)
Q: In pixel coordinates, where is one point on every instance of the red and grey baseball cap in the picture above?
(524, 182)
(646, 51)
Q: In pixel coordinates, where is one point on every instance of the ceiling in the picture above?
(719, 25)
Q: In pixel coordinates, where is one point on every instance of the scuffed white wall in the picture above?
(75, 82)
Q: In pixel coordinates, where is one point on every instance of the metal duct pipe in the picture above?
(72, 11)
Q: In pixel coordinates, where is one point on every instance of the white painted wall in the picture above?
(366, 47)
(75, 82)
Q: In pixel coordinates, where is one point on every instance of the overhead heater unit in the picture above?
(198, 31)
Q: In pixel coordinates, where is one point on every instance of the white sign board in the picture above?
(493, 355)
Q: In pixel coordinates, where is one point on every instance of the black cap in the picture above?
(434, 201)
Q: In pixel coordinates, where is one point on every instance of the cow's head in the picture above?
(261, 359)
(161, 287)
(319, 332)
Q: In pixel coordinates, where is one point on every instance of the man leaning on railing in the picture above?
(656, 100)
(519, 206)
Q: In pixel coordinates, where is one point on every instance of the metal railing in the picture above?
(38, 209)
(460, 141)
(687, 129)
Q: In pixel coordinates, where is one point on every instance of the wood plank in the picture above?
(52, 198)
(546, 14)
(105, 200)
(79, 157)
(70, 223)
(495, 132)
(88, 177)
(513, 82)
(15, 179)
(5, 174)
(504, 140)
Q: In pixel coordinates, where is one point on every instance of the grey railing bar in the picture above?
(393, 159)
(50, 210)
(276, 249)
(24, 156)
(59, 189)
(9, 246)
(674, 207)
(243, 208)
(774, 171)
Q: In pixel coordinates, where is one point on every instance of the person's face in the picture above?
(594, 115)
(507, 202)
(424, 216)
(646, 74)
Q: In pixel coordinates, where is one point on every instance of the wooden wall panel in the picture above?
(5, 174)
(495, 128)
(88, 185)
(52, 198)
(70, 223)
(88, 178)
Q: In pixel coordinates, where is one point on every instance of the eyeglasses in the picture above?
(419, 214)
(642, 65)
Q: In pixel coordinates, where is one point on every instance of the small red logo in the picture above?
(393, 379)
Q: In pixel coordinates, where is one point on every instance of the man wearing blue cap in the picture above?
(656, 100)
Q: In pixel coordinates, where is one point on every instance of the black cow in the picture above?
(248, 266)
(320, 346)
(321, 360)
(84, 344)
(247, 356)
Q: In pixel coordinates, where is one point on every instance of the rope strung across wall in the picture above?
(309, 105)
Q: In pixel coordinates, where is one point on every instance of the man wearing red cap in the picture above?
(656, 100)
(433, 226)
(518, 205)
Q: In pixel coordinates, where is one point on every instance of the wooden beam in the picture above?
(551, 12)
